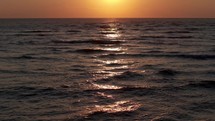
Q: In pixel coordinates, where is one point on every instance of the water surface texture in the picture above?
(107, 69)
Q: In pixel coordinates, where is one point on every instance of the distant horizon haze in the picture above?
(107, 9)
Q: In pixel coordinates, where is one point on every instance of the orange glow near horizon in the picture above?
(107, 8)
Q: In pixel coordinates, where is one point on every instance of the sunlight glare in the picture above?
(112, 1)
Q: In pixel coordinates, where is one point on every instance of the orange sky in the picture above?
(107, 8)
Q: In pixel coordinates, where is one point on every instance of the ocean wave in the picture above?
(74, 31)
(178, 32)
(128, 75)
(119, 108)
(155, 51)
(104, 26)
(202, 84)
(107, 32)
(163, 37)
(168, 72)
(125, 76)
(117, 64)
(127, 90)
(159, 42)
(192, 29)
(180, 37)
(39, 72)
(95, 115)
(37, 31)
(90, 51)
(148, 90)
(183, 56)
(32, 57)
(201, 106)
(197, 57)
(25, 92)
(153, 37)
(89, 41)
(25, 57)
(164, 118)
(33, 35)
(93, 51)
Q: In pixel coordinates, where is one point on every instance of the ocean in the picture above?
(107, 69)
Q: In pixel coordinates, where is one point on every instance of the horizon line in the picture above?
(112, 18)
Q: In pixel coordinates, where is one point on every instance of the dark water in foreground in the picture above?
(107, 69)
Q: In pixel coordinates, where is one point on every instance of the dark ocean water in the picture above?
(107, 69)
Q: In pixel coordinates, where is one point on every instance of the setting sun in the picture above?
(112, 1)
(112, 8)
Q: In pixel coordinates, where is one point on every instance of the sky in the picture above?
(107, 9)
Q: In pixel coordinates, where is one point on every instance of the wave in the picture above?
(192, 29)
(197, 57)
(25, 57)
(28, 91)
(168, 72)
(184, 56)
(201, 106)
(94, 51)
(36, 72)
(159, 37)
(26, 34)
(163, 118)
(152, 37)
(128, 75)
(88, 41)
(180, 37)
(120, 108)
(102, 115)
(117, 64)
(202, 84)
(31, 57)
(148, 89)
(128, 90)
(90, 51)
(125, 76)
(74, 31)
(166, 37)
(71, 42)
(104, 26)
(152, 90)
(178, 32)
(107, 32)
(36, 31)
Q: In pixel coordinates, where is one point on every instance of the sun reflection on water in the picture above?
(111, 32)
(115, 49)
(111, 61)
(104, 74)
(104, 95)
(103, 86)
(119, 106)
(108, 68)
(112, 36)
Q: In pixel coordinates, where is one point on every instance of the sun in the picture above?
(111, 8)
(113, 2)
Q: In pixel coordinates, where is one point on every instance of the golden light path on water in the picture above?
(112, 36)
(117, 49)
(119, 106)
(106, 71)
